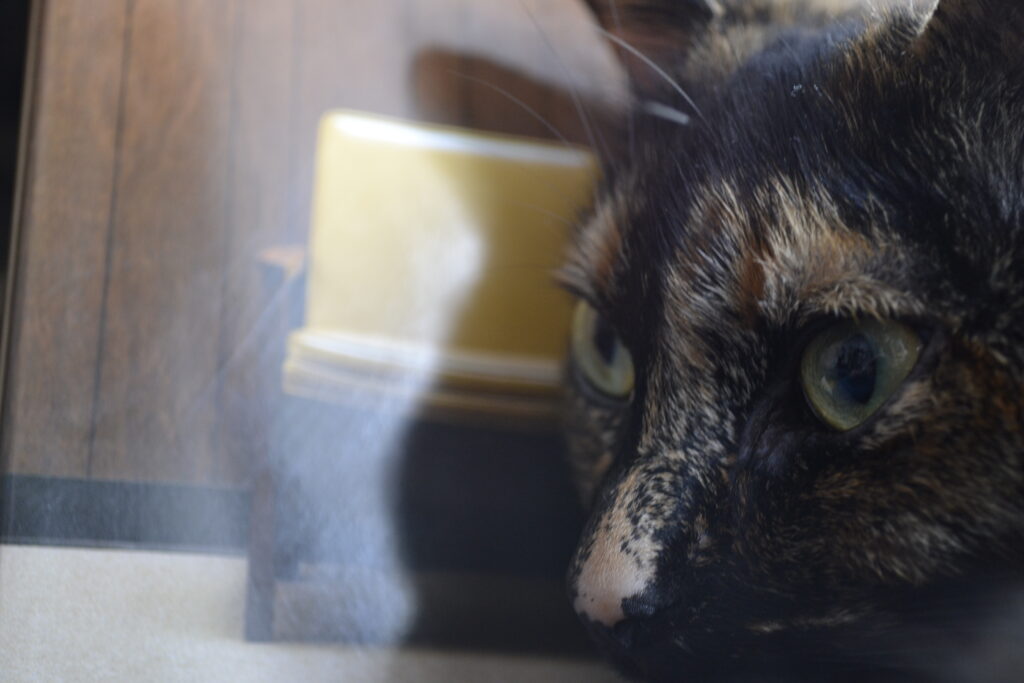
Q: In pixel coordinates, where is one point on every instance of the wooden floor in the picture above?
(170, 142)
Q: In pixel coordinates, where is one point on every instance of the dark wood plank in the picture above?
(437, 70)
(439, 86)
(67, 184)
(510, 67)
(156, 412)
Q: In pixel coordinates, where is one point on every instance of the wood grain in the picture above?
(58, 286)
(156, 410)
(171, 142)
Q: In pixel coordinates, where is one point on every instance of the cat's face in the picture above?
(798, 359)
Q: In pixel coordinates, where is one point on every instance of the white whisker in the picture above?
(597, 141)
(654, 67)
(525, 107)
(663, 111)
(631, 123)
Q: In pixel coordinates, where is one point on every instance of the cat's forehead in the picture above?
(775, 253)
(825, 185)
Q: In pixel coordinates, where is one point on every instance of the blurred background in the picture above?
(165, 505)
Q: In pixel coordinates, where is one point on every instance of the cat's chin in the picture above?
(670, 661)
(672, 655)
(973, 633)
(669, 664)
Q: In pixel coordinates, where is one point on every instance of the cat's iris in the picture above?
(849, 370)
(599, 354)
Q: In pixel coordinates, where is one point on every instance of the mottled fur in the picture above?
(841, 162)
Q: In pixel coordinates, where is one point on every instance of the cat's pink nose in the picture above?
(608, 578)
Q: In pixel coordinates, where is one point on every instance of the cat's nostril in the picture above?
(639, 607)
(617, 614)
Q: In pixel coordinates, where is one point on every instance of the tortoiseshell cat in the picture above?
(796, 378)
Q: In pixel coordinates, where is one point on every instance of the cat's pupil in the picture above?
(605, 341)
(854, 369)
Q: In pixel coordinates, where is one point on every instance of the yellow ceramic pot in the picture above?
(430, 267)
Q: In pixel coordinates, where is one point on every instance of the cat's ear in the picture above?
(652, 33)
(980, 29)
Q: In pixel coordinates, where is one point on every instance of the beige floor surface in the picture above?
(69, 614)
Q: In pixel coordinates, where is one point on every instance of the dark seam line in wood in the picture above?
(129, 12)
(224, 335)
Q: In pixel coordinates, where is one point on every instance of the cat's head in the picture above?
(798, 359)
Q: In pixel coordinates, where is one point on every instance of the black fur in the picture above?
(868, 164)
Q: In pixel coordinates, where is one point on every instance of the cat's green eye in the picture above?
(849, 370)
(598, 352)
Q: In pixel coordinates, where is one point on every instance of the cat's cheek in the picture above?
(904, 417)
